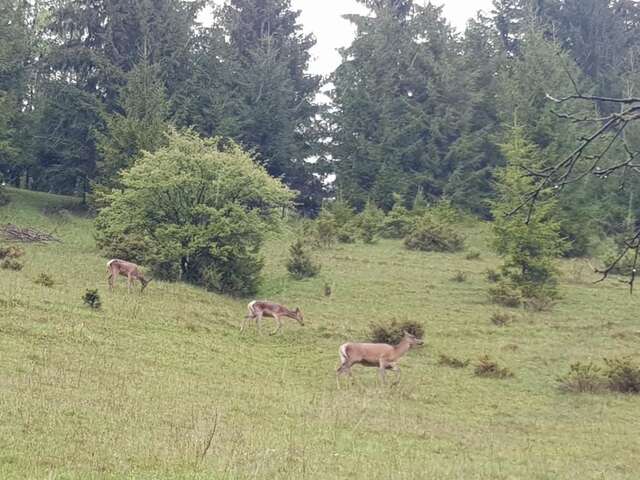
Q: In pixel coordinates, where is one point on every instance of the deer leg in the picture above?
(244, 322)
(110, 280)
(381, 371)
(278, 327)
(259, 322)
(396, 370)
(129, 281)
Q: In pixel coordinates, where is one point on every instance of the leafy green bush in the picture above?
(393, 333)
(341, 211)
(452, 362)
(430, 234)
(300, 264)
(582, 378)
(198, 207)
(91, 298)
(623, 375)
(370, 222)
(504, 294)
(11, 251)
(485, 367)
(45, 280)
(472, 255)
(11, 264)
(492, 276)
(4, 197)
(502, 318)
(348, 233)
(327, 228)
(459, 277)
(397, 223)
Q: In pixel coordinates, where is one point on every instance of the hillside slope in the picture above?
(163, 385)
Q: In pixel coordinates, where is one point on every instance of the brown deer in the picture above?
(380, 355)
(260, 308)
(130, 270)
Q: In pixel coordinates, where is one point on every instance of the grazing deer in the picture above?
(380, 355)
(259, 308)
(130, 270)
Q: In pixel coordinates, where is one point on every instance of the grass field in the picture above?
(163, 385)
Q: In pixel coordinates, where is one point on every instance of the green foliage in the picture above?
(452, 362)
(472, 255)
(430, 234)
(623, 375)
(459, 277)
(300, 264)
(91, 298)
(370, 222)
(488, 368)
(505, 294)
(11, 264)
(45, 280)
(197, 206)
(394, 332)
(327, 228)
(348, 233)
(492, 276)
(341, 210)
(582, 378)
(501, 319)
(4, 197)
(397, 223)
(141, 127)
(529, 243)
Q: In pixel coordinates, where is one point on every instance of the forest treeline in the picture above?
(416, 108)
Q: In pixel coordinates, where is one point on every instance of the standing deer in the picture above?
(380, 355)
(260, 308)
(130, 270)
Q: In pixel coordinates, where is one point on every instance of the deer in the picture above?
(262, 308)
(130, 270)
(380, 355)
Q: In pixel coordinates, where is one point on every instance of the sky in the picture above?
(324, 19)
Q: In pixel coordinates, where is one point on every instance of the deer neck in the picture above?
(400, 349)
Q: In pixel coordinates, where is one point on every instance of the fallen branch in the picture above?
(14, 233)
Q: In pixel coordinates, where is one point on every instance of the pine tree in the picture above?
(528, 240)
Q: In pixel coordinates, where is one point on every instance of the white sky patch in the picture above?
(324, 19)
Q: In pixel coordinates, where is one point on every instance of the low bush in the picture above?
(502, 318)
(11, 264)
(347, 233)
(490, 369)
(393, 333)
(459, 277)
(492, 276)
(397, 223)
(504, 294)
(91, 298)
(300, 264)
(11, 251)
(44, 280)
(452, 362)
(472, 255)
(623, 375)
(370, 223)
(430, 234)
(582, 378)
(326, 229)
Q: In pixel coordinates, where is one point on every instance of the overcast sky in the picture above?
(324, 19)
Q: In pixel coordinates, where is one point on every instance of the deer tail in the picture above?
(343, 354)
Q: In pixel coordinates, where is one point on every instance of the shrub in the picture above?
(347, 233)
(397, 223)
(489, 368)
(300, 264)
(393, 333)
(341, 211)
(539, 304)
(582, 378)
(11, 264)
(201, 206)
(166, 271)
(492, 276)
(11, 251)
(459, 277)
(129, 247)
(431, 235)
(327, 229)
(45, 280)
(91, 298)
(502, 318)
(504, 294)
(472, 255)
(452, 362)
(4, 197)
(370, 222)
(623, 375)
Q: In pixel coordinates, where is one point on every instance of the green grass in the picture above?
(139, 388)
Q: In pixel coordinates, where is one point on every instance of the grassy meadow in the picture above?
(164, 386)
